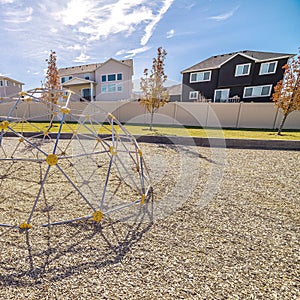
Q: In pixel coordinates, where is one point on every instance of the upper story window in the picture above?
(112, 77)
(268, 68)
(87, 76)
(66, 78)
(200, 76)
(257, 91)
(194, 95)
(242, 70)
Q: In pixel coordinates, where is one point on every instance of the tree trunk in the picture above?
(151, 120)
(281, 124)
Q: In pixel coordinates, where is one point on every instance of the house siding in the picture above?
(227, 76)
(111, 66)
(205, 88)
(114, 67)
(12, 88)
(223, 77)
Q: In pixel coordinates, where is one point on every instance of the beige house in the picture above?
(108, 81)
(9, 87)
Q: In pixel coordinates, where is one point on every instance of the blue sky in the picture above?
(90, 31)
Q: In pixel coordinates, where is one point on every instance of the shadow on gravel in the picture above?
(51, 254)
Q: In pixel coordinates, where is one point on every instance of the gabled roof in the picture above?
(10, 79)
(77, 81)
(217, 61)
(175, 89)
(90, 67)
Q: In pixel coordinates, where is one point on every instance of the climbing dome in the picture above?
(64, 161)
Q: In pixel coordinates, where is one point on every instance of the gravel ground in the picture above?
(220, 225)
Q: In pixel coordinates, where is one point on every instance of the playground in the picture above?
(100, 216)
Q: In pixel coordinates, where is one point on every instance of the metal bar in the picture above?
(7, 225)
(142, 174)
(121, 207)
(106, 181)
(34, 146)
(67, 221)
(76, 188)
(22, 159)
(84, 154)
(129, 175)
(39, 193)
(58, 133)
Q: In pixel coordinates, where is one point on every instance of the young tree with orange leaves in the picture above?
(52, 85)
(287, 91)
(154, 93)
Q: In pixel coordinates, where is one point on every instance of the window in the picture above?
(242, 70)
(1, 83)
(64, 79)
(221, 95)
(87, 76)
(111, 77)
(6, 82)
(200, 76)
(111, 88)
(86, 93)
(119, 87)
(194, 95)
(268, 68)
(257, 91)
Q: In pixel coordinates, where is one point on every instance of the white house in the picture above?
(108, 81)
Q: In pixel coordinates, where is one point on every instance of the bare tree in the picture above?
(52, 85)
(287, 91)
(154, 93)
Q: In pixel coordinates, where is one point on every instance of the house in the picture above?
(111, 80)
(9, 86)
(239, 76)
(174, 92)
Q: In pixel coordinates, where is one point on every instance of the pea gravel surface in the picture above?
(218, 226)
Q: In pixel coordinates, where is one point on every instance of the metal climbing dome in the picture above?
(62, 162)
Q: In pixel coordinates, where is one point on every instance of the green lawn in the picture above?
(165, 131)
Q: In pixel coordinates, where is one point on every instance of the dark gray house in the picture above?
(239, 76)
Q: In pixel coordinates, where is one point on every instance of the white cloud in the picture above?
(151, 26)
(19, 16)
(133, 52)
(76, 11)
(75, 47)
(223, 17)
(170, 33)
(7, 1)
(94, 21)
(53, 30)
(81, 58)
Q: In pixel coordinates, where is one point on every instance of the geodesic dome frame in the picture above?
(110, 147)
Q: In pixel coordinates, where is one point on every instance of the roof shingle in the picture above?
(216, 61)
(88, 68)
